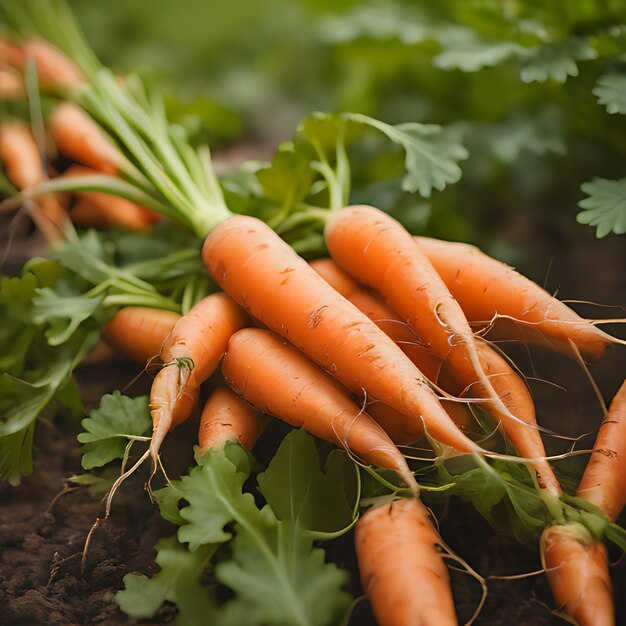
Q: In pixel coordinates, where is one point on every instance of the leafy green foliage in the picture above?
(557, 60)
(605, 207)
(178, 582)
(473, 56)
(109, 428)
(611, 92)
(276, 572)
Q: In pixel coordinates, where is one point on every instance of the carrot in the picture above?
(102, 210)
(11, 54)
(279, 380)
(402, 573)
(54, 68)
(577, 570)
(228, 418)
(190, 354)
(507, 384)
(79, 138)
(261, 272)
(486, 288)
(11, 86)
(579, 577)
(24, 167)
(604, 480)
(139, 332)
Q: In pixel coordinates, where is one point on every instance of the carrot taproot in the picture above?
(139, 332)
(379, 252)
(78, 137)
(11, 85)
(226, 417)
(96, 209)
(577, 569)
(604, 479)
(190, 354)
(54, 68)
(402, 572)
(24, 167)
(281, 381)
(11, 54)
(486, 288)
(263, 274)
(507, 384)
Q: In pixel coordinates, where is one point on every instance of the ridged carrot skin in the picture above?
(263, 274)
(226, 417)
(578, 573)
(485, 287)
(604, 480)
(79, 138)
(281, 381)
(190, 354)
(54, 68)
(139, 332)
(402, 573)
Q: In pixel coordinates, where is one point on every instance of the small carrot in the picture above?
(226, 417)
(604, 480)
(54, 68)
(486, 288)
(81, 139)
(261, 272)
(190, 354)
(281, 381)
(402, 573)
(139, 332)
(577, 569)
(102, 210)
(11, 85)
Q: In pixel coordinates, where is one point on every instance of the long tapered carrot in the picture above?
(263, 274)
(54, 68)
(577, 564)
(485, 288)
(190, 354)
(402, 573)
(279, 380)
(226, 417)
(24, 167)
(604, 480)
(79, 138)
(139, 332)
(577, 570)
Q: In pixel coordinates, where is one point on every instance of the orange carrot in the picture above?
(190, 354)
(54, 68)
(24, 167)
(279, 380)
(485, 288)
(139, 332)
(402, 573)
(102, 210)
(604, 480)
(11, 54)
(577, 570)
(261, 272)
(376, 250)
(78, 137)
(226, 417)
(11, 86)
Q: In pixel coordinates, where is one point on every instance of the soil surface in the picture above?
(47, 577)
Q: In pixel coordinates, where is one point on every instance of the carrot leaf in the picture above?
(605, 207)
(109, 428)
(611, 92)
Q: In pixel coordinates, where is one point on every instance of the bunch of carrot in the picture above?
(369, 349)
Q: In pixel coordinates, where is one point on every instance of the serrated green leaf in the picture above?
(611, 92)
(16, 454)
(556, 60)
(178, 581)
(299, 492)
(473, 56)
(108, 428)
(605, 207)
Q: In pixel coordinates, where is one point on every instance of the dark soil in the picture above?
(44, 524)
